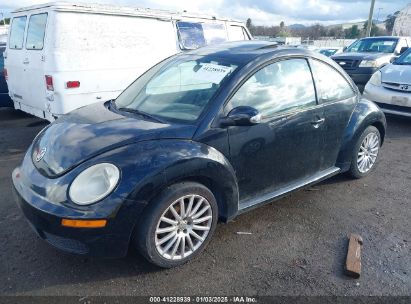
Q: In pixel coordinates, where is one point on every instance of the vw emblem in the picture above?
(404, 87)
(40, 154)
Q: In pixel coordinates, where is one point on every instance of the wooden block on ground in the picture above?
(353, 261)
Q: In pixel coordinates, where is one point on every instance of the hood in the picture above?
(396, 74)
(361, 56)
(92, 130)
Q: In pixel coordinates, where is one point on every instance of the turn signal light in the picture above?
(6, 76)
(72, 84)
(84, 223)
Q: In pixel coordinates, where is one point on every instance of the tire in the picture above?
(151, 233)
(370, 152)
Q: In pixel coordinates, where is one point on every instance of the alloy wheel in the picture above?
(368, 152)
(183, 227)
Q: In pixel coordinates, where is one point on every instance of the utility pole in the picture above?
(369, 25)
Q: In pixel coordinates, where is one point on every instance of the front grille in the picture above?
(348, 64)
(397, 87)
(66, 244)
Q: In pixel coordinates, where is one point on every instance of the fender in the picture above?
(155, 164)
(208, 166)
(366, 113)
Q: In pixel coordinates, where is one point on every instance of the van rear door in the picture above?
(34, 62)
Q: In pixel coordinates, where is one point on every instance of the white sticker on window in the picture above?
(388, 42)
(213, 73)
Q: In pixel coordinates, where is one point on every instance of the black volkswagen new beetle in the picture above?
(201, 136)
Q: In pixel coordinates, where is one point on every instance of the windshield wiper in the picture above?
(141, 113)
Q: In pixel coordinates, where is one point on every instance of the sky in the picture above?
(261, 12)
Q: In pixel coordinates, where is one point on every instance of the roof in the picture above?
(118, 10)
(245, 51)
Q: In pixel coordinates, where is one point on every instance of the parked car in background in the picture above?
(365, 56)
(201, 136)
(5, 100)
(330, 51)
(64, 56)
(390, 87)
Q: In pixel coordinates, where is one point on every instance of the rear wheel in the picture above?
(365, 153)
(178, 224)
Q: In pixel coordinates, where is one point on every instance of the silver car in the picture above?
(390, 87)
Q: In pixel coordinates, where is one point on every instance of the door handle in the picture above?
(316, 123)
(26, 61)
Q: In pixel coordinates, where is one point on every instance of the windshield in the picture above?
(328, 52)
(177, 89)
(375, 45)
(404, 59)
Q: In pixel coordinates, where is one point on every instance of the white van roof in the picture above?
(118, 10)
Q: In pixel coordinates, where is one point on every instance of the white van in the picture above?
(62, 56)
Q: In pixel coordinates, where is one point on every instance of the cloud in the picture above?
(265, 12)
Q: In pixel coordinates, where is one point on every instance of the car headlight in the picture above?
(94, 184)
(376, 79)
(371, 64)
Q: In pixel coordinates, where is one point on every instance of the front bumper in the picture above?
(45, 217)
(390, 101)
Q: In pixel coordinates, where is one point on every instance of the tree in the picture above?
(282, 24)
(336, 32)
(390, 21)
(249, 24)
(5, 19)
(375, 30)
(353, 32)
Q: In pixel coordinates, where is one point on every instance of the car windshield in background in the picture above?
(195, 35)
(177, 89)
(328, 52)
(404, 59)
(373, 45)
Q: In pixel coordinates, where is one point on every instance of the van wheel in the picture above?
(365, 153)
(177, 225)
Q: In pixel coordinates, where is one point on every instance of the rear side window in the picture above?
(195, 35)
(331, 85)
(35, 32)
(17, 33)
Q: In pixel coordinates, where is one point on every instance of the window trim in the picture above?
(257, 69)
(44, 34)
(24, 33)
(318, 90)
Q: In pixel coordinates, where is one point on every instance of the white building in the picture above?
(402, 26)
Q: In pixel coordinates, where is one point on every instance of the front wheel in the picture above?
(365, 153)
(177, 225)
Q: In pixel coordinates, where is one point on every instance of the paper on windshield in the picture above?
(213, 73)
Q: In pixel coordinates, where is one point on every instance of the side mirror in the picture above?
(241, 116)
(403, 50)
(344, 49)
(392, 60)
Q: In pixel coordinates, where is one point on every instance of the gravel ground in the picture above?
(297, 245)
